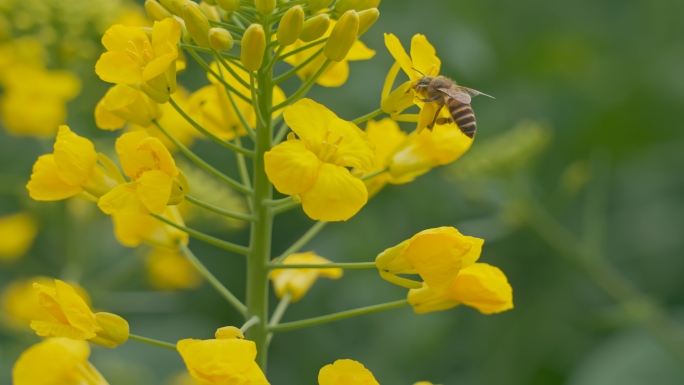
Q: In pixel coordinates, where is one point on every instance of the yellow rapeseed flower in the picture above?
(346, 372)
(337, 73)
(228, 359)
(134, 229)
(149, 163)
(211, 106)
(18, 232)
(133, 59)
(387, 137)
(72, 318)
(19, 302)
(34, 99)
(69, 171)
(315, 165)
(56, 361)
(481, 286)
(298, 281)
(168, 270)
(437, 255)
(123, 104)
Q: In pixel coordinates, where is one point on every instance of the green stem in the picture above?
(227, 26)
(284, 327)
(294, 70)
(207, 68)
(250, 322)
(206, 132)
(242, 166)
(151, 341)
(278, 202)
(278, 314)
(261, 230)
(368, 117)
(301, 242)
(304, 88)
(206, 166)
(350, 265)
(225, 65)
(206, 238)
(374, 174)
(303, 48)
(257, 110)
(218, 210)
(285, 207)
(282, 131)
(233, 300)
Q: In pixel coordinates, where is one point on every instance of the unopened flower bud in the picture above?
(315, 27)
(156, 11)
(291, 26)
(177, 6)
(342, 36)
(229, 5)
(210, 2)
(153, 93)
(253, 47)
(115, 330)
(210, 11)
(168, 4)
(315, 5)
(229, 333)
(367, 18)
(342, 6)
(220, 39)
(265, 7)
(196, 23)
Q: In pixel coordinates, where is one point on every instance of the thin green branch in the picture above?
(207, 133)
(243, 120)
(374, 174)
(242, 165)
(191, 47)
(368, 117)
(151, 341)
(285, 207)
(227, 26)
(218, 210)
(301, 242)
(278, 314)
(250, 322)
(204, 165)
(282, 132)
(207, 68)
(350, 265)
(304, 88)
(252, 88)
(275, 58)
(303, 48)
(225, 65)
(296, 69)
(337, 316)
(277, 202)
(206, 238)
(213, 281)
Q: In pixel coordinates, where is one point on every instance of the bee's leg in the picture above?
(433, 99)
(432, 125)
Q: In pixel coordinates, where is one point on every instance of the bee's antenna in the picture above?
(417, 71)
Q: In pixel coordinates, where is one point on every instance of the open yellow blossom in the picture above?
(228, 359)
(19, 302)
(298, 281)
(34, 99)
(135, 60)
(69, 171)
(214, 110)
(423, 60)
(149, 163)
(481, 286)
(72, 318)
(346, 372)
(18, 232)
(122, 104)
(437, 255)
(337, 73)
(134, 229)
(315, 165)
(56, 361)
(168, 270)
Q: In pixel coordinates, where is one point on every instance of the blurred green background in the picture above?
(592, 178)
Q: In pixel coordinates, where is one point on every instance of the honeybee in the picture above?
(444, 91)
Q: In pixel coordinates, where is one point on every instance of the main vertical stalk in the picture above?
(260, 242)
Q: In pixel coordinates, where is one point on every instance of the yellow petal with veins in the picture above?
(310, 121)
(291, 167)
(154, 190)
(399, 53)
(117, 38)
(123, 199)
(118, 67)
(424, 56)
(45, 183)
(336, 195)
(353, 149)
(75, 156)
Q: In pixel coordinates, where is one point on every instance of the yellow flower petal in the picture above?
(298, 281)
(386, 136)
(123, 199)
(423, 55)
(399, 53)
(359, 51)
(335, 75)
(291, 167)
(58, 329)
(117, 38)
(106, 120)
(134, 162)
(54, 361)
(165, 37)
(310, 121)
(426, 116)
(18, 232)
(154, 190)
(75, 308)
(163, 160)
(483, 287)
(157, 66)
(75, 156)
(118, 67)
(346, 372)
(45, 183)
(168, 270)
(133, 229)
(350, 146)
(335, 196)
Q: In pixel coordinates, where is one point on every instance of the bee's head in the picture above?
(422, 84)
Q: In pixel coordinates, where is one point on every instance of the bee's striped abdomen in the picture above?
(464, 117)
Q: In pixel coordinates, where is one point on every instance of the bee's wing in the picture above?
(474, 92)
(457, 94)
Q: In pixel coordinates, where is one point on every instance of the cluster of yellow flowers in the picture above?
(326, 164)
